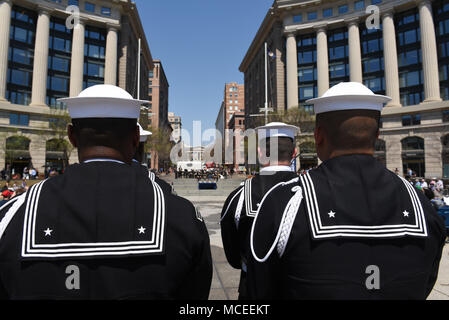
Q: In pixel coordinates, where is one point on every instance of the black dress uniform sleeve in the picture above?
(229, 231)
(197, 284)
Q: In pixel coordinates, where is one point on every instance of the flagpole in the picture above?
(138, 70)
(266, 83)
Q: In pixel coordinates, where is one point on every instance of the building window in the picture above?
(446, 116)
(106, 11)
(297, 18)
(94, 56)
(441, 7)
(343, 9)
(409, 57)
(90, 7)
(307, 68)
(338, 56)
(359, 5)
(21, 56)
(372, 59)
(16, 119)
(411, 120)
(312, 16)
(328, 13)
(59, 57)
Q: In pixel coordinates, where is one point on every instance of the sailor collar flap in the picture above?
(326, 221)
(51, 234)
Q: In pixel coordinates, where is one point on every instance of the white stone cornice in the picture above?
(321, 27)
(352, 21)
(113, 27)
(421, 3)
(43, 9)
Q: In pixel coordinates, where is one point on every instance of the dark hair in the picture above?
(350, 129)
(285, 146)
(105, 132)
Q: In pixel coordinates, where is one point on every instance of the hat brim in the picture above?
(377, 98)
(96, 99)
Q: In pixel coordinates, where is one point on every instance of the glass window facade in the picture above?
(328, 13)
(372, 59)
(18, 119)
(338, 56)
(409, 57)
(21, 56)
(441, 8)
(307, 69)
(343, 9)
(59, 56)
(94, 56)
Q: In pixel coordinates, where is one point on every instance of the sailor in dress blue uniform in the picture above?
(350, 229)
(241, 205)
(103, 230)
(138, 159)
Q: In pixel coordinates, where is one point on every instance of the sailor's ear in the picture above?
(319, 135)
(71, 134)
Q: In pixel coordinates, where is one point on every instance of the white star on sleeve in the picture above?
(332, 214)
(406, 214)
(48, 232)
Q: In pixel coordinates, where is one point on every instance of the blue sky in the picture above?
(201, 44)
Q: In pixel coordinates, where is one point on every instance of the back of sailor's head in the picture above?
(103, 115)
(350, 115)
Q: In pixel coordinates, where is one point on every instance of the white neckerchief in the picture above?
(276, 169)
(104, 160)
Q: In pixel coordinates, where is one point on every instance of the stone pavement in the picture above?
(226, 279)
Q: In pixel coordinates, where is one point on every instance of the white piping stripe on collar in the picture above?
(104, 160)
(238, 211)
(249, 199)
(230, 203)
(31, 249)
(16, 204)
(320, 231)
(152, 176)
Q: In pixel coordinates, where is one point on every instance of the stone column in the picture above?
(429, 52)
(355, 54)
(38, 153)
(433, 149)
(77, 64)
(322, 60)
(5, 22)
(391, 60)
(292, 72)
(110, 74)
(40, 67)
(393, 151)
(73, 159)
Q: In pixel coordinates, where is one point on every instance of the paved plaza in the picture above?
(226, 279)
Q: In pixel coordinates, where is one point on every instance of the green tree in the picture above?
(57, 140)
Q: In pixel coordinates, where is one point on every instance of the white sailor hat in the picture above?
(348, 96)
(277, 129)
(103, 101)
(144, 134)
